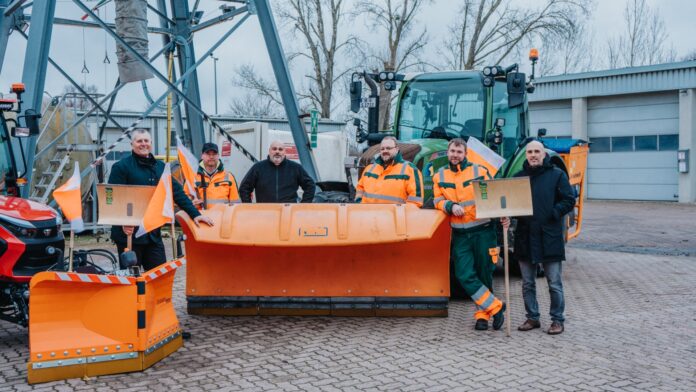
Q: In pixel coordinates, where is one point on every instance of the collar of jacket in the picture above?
(534, 171)
(146, 161)
(397, 159)
(282, 163)
(459, 167)
(201, 168)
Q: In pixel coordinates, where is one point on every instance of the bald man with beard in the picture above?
(539, 238)
(276, 179)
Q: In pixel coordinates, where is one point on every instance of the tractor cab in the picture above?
(460, 104)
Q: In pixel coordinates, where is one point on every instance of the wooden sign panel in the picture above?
(123, 205)
(503, 197)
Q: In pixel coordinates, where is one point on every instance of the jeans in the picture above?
(553, 272)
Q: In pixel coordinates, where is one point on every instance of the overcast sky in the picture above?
(246, 46)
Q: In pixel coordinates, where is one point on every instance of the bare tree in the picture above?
(75, 99)
(403, 45)
(572, 51)
(487, 31)
(644, 39)
(246, 77)
(691, 56)
(318, 23)
(254, 104)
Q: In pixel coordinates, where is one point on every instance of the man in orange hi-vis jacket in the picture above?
(390, 179)
(474, 248)
(214, 184)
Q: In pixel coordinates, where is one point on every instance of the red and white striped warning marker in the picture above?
(94, 278)
(168, 267)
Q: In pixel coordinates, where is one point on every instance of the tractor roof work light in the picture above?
(18, 88)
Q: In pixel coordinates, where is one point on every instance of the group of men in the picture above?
(474, 246)
(391, 179)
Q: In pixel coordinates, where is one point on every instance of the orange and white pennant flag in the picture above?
(160, 209)
(69, 199)
(189, 165)
(480, 154)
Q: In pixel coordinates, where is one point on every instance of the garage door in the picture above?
(554, 116)
(634, 151)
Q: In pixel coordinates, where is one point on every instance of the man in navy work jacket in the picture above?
(141, 168)
(276, 179)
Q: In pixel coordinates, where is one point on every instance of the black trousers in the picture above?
(149, 255)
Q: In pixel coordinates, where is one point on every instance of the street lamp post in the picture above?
(215, 60)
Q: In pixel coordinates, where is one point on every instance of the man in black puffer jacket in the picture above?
(276, 179)
(539, 238)
(141, 168)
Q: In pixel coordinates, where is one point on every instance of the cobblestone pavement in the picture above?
(631, 325)
(639, 227)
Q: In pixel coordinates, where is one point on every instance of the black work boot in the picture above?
(499, 318)
(481, 325)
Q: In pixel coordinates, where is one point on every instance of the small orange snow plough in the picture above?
(90, 325)
(318, 259)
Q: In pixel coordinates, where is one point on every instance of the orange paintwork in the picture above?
(79, 316)
(318, 250)
(576, 162)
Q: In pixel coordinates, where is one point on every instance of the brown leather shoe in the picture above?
(529, 325)
(556, 328)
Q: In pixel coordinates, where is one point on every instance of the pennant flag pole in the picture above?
(69, 198)
(160, 209)
(480, 154)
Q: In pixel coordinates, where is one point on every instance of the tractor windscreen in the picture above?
(442, 109)
(5, 157)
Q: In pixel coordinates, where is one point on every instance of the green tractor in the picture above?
(433, 108)
(490, 105)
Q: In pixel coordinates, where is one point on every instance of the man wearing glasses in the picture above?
(276, 179)
(390, 179)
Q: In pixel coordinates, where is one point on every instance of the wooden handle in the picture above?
(507, 282)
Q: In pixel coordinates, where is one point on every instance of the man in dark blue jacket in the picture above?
(276, 179)
(141, 168)
(540, 238)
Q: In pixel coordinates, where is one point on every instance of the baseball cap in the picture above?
(210, 146)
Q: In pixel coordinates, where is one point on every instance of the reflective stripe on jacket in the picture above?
(220, 188)
(400, 182)
(454, 185)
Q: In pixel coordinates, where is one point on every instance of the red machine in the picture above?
(31, 240)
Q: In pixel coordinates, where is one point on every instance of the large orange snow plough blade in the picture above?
(90, 325)
(318, 259)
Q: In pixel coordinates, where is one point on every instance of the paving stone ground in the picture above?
(639, 227)
(631, 326)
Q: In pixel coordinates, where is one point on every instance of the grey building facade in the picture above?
(639, 120)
